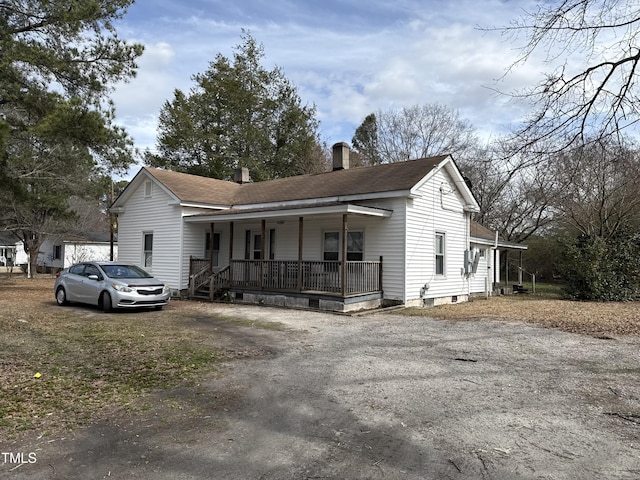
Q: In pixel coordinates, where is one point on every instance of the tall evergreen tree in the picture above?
(58, 62)
(365, 140)
(238, 114)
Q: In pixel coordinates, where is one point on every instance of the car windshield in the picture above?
(124, 271)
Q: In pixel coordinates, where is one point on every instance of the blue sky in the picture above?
(349, 58)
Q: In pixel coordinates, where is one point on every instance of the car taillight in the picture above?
(58, 274)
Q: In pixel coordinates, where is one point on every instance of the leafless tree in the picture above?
(516, 195)
(591, 93)
(598, 189)
(422, 131)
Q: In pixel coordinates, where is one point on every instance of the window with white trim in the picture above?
(147, 249)
(440, 253)
(355, 246)
(331, 246)
(253, 245)
(148, 188)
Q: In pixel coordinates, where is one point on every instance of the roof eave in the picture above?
(345, 208)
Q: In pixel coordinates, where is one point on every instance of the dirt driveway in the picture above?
(377, 396)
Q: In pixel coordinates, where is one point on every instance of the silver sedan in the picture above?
(110, 285)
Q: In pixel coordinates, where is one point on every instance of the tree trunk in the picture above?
(32, 244)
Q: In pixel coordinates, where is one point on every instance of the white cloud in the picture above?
(348, 58)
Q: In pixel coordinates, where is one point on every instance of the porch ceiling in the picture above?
(284, 212)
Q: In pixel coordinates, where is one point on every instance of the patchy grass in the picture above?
(62, 367)
(548, 310)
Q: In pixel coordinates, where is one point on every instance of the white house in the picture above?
(11, 250)
(62, 252)
(57, 252)
(404, 230)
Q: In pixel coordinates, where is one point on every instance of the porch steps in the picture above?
(520, 289)
(203, 294)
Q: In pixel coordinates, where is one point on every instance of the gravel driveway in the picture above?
(375, 396)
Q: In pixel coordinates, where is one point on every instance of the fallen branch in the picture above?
(629, 417)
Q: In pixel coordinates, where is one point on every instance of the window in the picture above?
(77, 269)
(247, 244)
(216, 247)
(331, 246)
(257, 243)
(483, 252)
(272, 244)
(148, 249)
(57, 252)
(355, 246)
(252, 245)
(148, 188)
(439, 253)
(92, 270)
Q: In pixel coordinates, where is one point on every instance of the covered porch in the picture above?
(275, 257)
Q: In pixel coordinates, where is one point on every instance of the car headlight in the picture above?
(166, 288)
(121, 288)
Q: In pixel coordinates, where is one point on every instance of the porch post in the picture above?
(344, 253)
(263, 231)
(300, 244)
(230, 253)
(211, 244)
(506, 268)
(520, 270)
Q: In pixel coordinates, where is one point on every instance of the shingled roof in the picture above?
(196, 189)
(389, 177)
(480, 232)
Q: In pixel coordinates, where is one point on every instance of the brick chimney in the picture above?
(241, 175)
(341, 156)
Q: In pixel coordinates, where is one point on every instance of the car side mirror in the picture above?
(93, 277)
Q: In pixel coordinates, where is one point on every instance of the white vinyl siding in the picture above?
(477, 279)
(436, 211)
(145, 214)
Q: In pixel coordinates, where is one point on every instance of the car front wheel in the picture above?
(61, 296)
(106, 303)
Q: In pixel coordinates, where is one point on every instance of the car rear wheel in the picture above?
(106, 303)
(61, 296)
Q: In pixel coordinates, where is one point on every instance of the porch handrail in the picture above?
(200, 278)
(219, 280)
(521, 271)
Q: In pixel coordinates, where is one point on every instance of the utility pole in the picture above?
(111, 226)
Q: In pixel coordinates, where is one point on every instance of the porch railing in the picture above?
(316, 276)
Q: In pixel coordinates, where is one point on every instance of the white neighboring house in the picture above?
(11, 250)
(57, 253)
(62, 252)
(404, 230)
